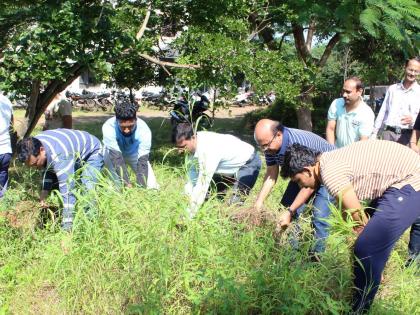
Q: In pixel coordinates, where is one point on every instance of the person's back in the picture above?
(58, 114)
(230, 151)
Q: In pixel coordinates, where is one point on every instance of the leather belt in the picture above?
(398, 130)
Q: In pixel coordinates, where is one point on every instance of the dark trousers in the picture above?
(4, 172)
(242, 183)
(414, 245)
(396, 210)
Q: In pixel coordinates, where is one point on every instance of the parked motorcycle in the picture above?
(192, 112)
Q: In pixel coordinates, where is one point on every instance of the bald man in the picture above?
(274, 139)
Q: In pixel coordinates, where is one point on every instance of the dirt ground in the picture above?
(147, 112)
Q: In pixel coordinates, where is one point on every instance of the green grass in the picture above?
(131, 256)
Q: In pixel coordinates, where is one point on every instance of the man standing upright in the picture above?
(6, 119)
(400, 107)
(349, 118)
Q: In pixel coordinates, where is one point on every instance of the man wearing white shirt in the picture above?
(400, 107)
(6, 119)
(349, 118)
(215, 153)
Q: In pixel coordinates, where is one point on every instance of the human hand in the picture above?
(284, 220)
(358, 229)
(43, 204)
(406, 120)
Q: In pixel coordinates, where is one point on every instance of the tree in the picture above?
(47, 44)
(254, 37)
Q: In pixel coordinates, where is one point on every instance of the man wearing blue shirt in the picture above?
(127, 140)
(274, 139)
(61, 152)
(349, 118)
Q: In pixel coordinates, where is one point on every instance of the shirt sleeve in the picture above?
(109, 137)
(366, 127)
(64, 170)
(271, 159)
(207, 165)
(145, 136)
(336, 176)
(383, 112)
(332, 111)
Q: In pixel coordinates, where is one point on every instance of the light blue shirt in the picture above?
(350, 126)
(138, 143)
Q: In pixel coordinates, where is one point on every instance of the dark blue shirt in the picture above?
(291, 136)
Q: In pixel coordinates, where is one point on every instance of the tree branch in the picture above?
(311, 31)
(300, 43)
(143, 26)
(167, 63)
(327, 52)
(44, 98)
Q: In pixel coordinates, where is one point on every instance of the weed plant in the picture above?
(134, 252)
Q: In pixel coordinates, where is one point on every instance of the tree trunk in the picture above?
(38, 101)
(304, 113)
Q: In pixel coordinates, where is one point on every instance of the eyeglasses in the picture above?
(264, 147)
(413, 71)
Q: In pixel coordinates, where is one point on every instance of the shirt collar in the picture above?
(285, 141)
(412, 87)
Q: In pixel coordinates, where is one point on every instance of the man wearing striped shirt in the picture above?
(360, 172)
(274, 139)
(61, 152)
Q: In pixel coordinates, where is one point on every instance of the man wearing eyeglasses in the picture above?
(274, 139)
(400, 107)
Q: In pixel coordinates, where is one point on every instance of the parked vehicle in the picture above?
(193, 112)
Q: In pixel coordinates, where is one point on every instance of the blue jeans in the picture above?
(397, 209)
(321, 211)
(4, 172)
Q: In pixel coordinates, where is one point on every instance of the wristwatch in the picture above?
(292, 213)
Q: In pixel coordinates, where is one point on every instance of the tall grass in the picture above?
(135, 253)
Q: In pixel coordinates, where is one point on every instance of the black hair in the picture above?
(358, 81)
(182, 131)
(417, 58)
(125, 110)
(296, 158)
(277, 126)
(27, 147)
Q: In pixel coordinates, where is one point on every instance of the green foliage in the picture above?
(136, 254)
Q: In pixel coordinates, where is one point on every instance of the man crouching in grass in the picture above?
(360, 172)
(215, 153)
(60, 153)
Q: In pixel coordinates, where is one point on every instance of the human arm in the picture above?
(270, 180)
(142, 170)
(414, 140)
(351, 202)
(207, 165)
(330, 131)
(332, 121)
(118, 164)
(301, 198)
(383, 112)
